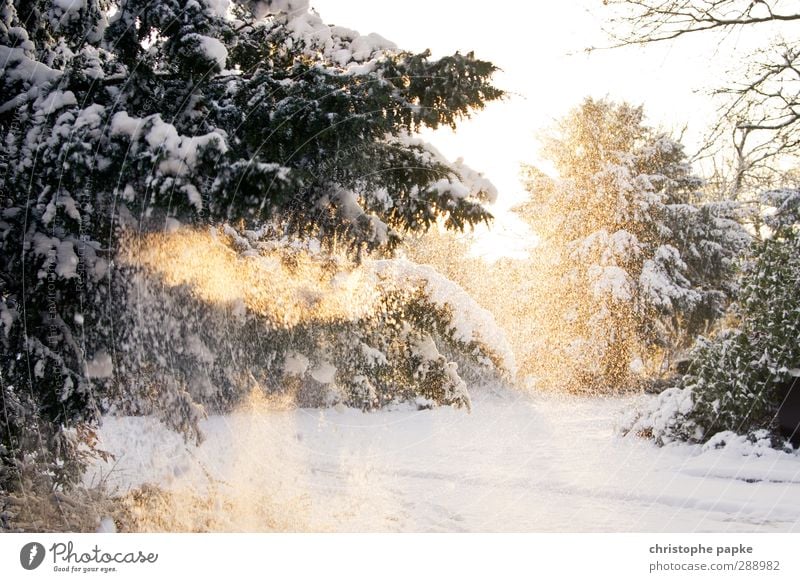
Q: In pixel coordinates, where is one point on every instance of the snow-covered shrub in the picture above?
(737, 380)
(784, 208)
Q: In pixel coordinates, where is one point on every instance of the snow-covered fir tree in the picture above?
(135, 115)
(635, 264)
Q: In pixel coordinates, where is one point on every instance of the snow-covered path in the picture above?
(515, 463)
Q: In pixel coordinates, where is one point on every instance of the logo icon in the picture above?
(31, 555)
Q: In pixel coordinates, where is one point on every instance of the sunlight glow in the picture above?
(287, 288)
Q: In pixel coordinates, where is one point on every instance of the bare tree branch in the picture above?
(647, 21)
(759, 121)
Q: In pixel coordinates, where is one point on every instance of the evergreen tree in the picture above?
(635, 265)
(201, 111)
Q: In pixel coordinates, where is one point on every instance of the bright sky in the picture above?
(539, 45)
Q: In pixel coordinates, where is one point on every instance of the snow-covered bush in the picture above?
(784, 208)
(213, 316)
(207, 111)
(737, 380)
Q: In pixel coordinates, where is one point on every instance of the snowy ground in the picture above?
(515, 463)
